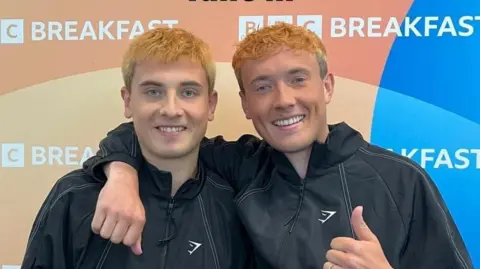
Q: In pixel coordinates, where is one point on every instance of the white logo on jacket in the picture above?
(326, 215)
(194, 246)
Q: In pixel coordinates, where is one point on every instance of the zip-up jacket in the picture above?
(291, 221)
(197, 228)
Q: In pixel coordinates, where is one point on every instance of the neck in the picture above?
(300, 159)
(182, 169)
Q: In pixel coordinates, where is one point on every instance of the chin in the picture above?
(289, 146)
(172, 154)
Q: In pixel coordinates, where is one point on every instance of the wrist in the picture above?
(121, 172)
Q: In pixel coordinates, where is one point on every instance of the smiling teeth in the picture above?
(289, 121)
(172, 129)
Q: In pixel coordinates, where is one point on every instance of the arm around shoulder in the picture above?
(227, 158)
(120, 145)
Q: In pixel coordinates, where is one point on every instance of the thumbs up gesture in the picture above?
(364, 253)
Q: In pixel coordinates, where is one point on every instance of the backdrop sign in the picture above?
(405, 71)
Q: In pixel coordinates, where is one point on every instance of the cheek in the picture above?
(198, 112)
(144, 111)
(259, 107)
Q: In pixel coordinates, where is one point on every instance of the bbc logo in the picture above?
(248, 24)
(13, 155)
(10, 266)
(12, 31)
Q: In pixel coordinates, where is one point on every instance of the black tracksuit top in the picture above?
(291, 221)
(196, 229)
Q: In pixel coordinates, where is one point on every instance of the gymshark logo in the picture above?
(193, 245)
(326, 215)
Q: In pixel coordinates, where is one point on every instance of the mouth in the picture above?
(171, 129)
(289, 121)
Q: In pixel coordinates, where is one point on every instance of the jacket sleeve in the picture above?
(120, 144)
(226, 158)
(433, 240)
(47, 246)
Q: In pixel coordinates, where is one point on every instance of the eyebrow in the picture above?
(160, 84)
(298, 70)
(292, 71)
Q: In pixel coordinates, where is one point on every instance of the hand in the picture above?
(120, 215)
(364, 253)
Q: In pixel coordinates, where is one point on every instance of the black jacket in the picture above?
(292, 221)
(197, 228)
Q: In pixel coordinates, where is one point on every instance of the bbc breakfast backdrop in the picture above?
(406, 77)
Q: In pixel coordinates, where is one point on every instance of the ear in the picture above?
(212, 104)
(244, 104)
(328, 87)
(126, 102)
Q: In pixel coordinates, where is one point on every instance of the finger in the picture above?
(98, 219)
(337, 257)
(108, 227)
(137, 247)
(119, 232)
(360, 227)
(133, 233)
(345, 244)
(329, 265)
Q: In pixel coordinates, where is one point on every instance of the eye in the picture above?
(263, 88)
(189, 93)
(299, 80)
(153, 92)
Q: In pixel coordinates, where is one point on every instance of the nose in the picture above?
(170, 106)
(284, 97)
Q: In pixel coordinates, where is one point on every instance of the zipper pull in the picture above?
(170, 207)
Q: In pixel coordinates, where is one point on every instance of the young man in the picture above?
(301, 191)
(169, 79)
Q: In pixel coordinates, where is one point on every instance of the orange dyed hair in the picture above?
(266, 41)
(168, 45)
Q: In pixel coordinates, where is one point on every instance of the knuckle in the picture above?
(128, 242)
(357, 247)
(126, 216)
(140, 219)
(329, 254)
(104, 235)
(115, 240)
(95, 229)
(351, 261)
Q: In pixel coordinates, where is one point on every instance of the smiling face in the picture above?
(285, 97)
(169, 77)
(170, 105)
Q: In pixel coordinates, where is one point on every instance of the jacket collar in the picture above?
(342, 142)
(159, 182)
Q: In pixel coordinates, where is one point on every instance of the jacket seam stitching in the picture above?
(254, 191)
(389, 192)
(105, 253)
(445, 221)
(208, 230)
(218, 185)
(51, 202)
(346, 195)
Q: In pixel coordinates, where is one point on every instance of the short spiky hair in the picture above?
(266, 41)
(168, 45)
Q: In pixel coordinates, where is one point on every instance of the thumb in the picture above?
(137, 248)
(360, 227)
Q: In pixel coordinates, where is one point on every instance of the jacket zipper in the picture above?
(299, 207)
(293, 219)
(171, 202)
